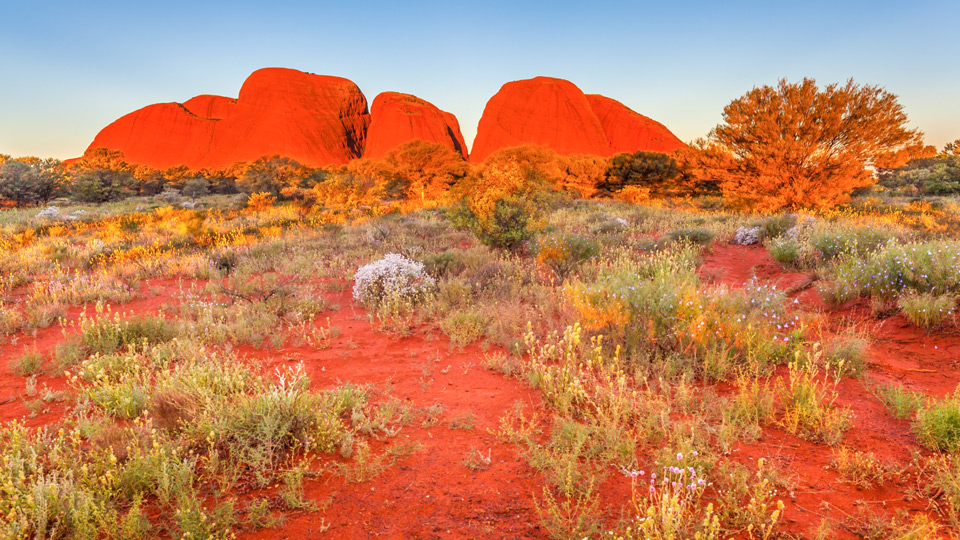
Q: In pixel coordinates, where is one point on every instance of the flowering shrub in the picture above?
(926, 310)
(722, 328)
(898, 270)
(669, 505)
(394, 277)
(832, 244)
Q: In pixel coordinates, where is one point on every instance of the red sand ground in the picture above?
(431, 494)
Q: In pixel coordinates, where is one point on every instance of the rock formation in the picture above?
(555, 113)
(629, 131)
(314, 119)
(321, 120)
(541, 111)
(213, 107)
(398, 118)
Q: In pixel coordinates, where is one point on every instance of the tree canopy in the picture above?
(794, 145)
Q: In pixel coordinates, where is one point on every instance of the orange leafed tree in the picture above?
(796, 146)
(427, 170)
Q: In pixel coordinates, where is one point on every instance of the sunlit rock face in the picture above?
(323, 120)
(314, 119)
(629, 131)
(542, 111)
(555, 113)
(398, 118)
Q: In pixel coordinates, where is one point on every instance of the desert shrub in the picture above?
(937, 424)
(109, 334)
(901, 402)
(506, 227)
(449, 262)
(657, 307)
(273, 174)
(784, 250)
(752, 406)
(945, 475)
(209, 426)
(776, 226)
(28, 183)
(27, 364)
(463, 327)
(938, 175)
(101, 185)
(921, 267)
(809, 408)
(564, 253)
(847, 354)
(669, 505)
(831, 244)
(694, 236)
(500, 206)
(392, 277)
(425, 170)
(926, 310)
(345, 191)
(860, 468)
(260, 201)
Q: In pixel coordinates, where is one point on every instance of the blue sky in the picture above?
(70, 68)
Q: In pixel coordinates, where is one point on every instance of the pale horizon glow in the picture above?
(71, 69)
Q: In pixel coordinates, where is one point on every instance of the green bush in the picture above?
(508, 228)
(832, 244)
(899, 401)
(776, 226)
(922, 267)
(694, 236)
(655, 171)
(784, 250)
(926, 310)
(463, 327)
(938, 424)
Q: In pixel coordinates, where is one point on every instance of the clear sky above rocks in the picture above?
(70, 68)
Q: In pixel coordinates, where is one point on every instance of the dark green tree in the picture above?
(29, 181)
(97, 185)
(272, 175)
(655, 171)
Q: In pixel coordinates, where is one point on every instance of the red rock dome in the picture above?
(629, 131)
(542, 111)
(554, 113)
(398, 118)
(314, 119)
(322, 120)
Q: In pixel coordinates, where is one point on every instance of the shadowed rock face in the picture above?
(314, 119)
(399, 118)
(629, 131)
(554, 113)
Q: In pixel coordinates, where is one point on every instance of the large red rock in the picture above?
(630, 131)
(550, 112)
(541, 111)
(314, 119)
(398, 118)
